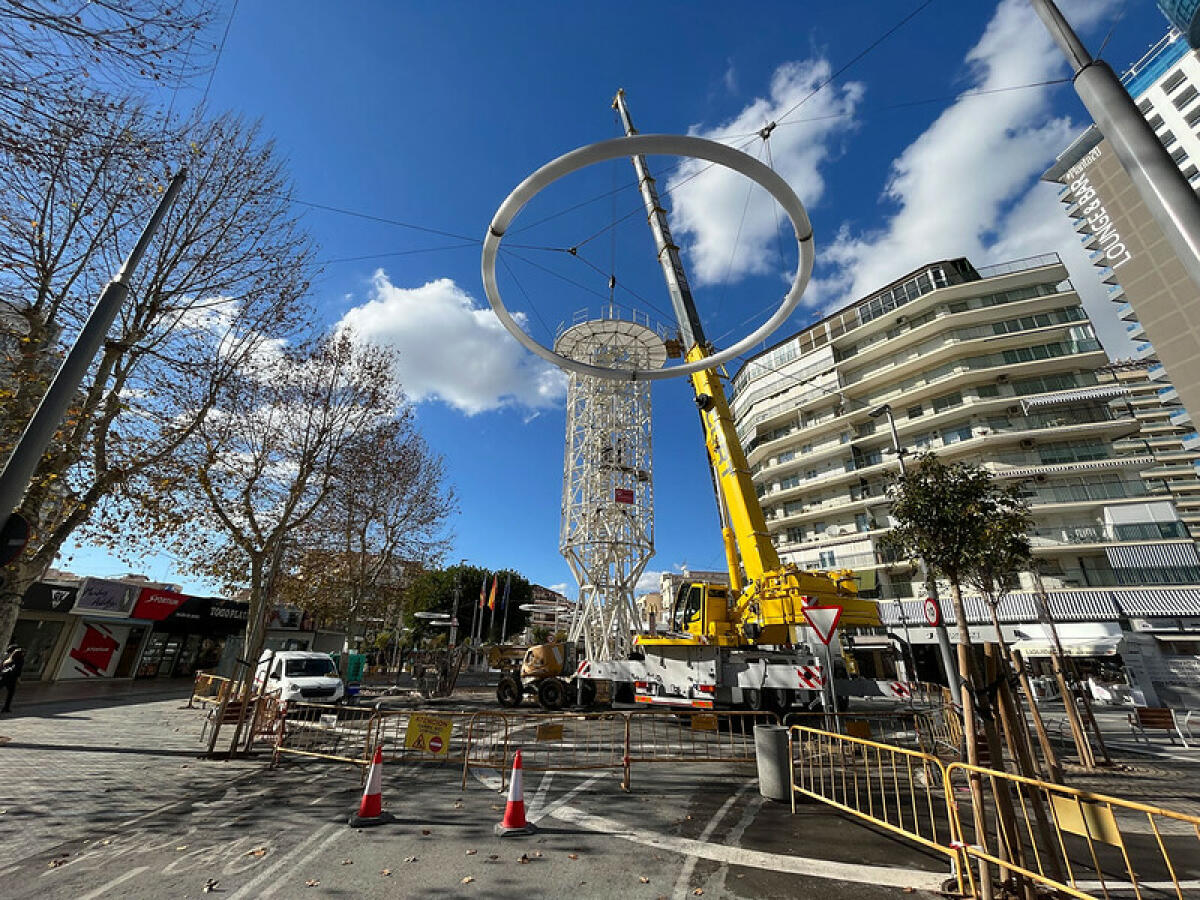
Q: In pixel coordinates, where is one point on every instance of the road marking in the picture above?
(549, 810)
(247, 889)
(689, 865)
(120, 879)
(312, 854)
(858, 873)
(539, 799)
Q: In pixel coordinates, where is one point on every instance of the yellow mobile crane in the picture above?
(744, 644)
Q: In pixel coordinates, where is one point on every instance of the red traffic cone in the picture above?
(370, 810)
(514, 813)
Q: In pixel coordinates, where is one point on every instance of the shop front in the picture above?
(43, 626)
(188, 635)
(106, 640)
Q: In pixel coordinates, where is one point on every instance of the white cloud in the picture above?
(707, 209)
(649, 583)
(453, 350)
(968, 185)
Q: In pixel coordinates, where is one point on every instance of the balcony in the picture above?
(1134, 329)
(1167, 394)
(1088, 493)
(1143, 351)
(1094, 533)
(1125, 311)
(1157, 372)
(1180, 417)
(1191, 441)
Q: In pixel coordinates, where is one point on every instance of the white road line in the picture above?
(120, 879)
(312, 854)
(561, 801)
(856, 873)
(689, 865)
(248, 889)
(539, 799)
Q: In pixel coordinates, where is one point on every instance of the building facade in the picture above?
(996, 366)
(1131, 255)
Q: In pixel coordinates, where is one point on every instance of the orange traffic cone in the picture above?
(514, 813)
(370, 810)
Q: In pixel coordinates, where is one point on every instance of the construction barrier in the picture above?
(901, 728)
(324, 731)
(550, 742)
(901, 790)
(423, 735)
(695, 736)
(1081, 844)
(208, 689)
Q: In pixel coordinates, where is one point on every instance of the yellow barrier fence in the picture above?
(901, 728)
(1071, 841)
(325, 731)
(208, 689)
(895, 788)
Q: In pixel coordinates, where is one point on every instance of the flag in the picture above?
(492, 596)
(507, 585)
(482, 592)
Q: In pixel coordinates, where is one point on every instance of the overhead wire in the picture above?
(220, 50)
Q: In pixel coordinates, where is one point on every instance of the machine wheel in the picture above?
(551, 693)
(753, 698)
(778, 700)
(623, 692)
(585, 691)
(508, 691)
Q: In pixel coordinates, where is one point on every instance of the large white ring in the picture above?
(647, 144)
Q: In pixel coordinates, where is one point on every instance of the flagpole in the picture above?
(477, 622)
(492, 604)
(504, 603)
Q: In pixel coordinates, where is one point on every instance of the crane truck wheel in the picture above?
(508, 691)
(551, 693)
(585, 691)
(752, 698)
(779, 700)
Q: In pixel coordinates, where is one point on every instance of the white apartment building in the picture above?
(997, 366)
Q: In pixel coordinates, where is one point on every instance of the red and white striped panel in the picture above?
(898, 689)
(810, 677)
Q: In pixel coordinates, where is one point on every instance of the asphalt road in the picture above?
(154, 822)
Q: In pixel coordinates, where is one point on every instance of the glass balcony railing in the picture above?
(1085, 493)
(1098, 534)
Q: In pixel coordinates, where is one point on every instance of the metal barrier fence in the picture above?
(550, 742)
(722, 736)
(209, 688)
(425, 736)
(1082, 844)
(901, 728)
(895, 788)
(323, 731)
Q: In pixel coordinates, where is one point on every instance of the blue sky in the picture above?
(430, 113)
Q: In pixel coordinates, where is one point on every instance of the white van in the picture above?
(300, 675)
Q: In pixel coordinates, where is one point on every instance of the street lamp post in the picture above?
(943, 636)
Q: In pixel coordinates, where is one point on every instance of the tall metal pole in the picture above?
(949, 665)
(18, 471)
(1158, 181)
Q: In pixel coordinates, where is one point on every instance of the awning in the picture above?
(1065, 606)
(1091, 465)
(1149, 556)
(1162, 602)
(1071, 647)
(1100, 392)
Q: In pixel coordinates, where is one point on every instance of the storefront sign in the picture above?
(156, 604)
(46, 597)
(205, 615)
(95, 650)
(99, 597)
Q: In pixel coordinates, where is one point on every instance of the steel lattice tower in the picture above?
(608, 492)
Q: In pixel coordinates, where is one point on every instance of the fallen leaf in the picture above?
(467, 880)
(497, 806)
(698, 891)
(458, 804)
(472, 852)
(426, 831)
(347, 862)
(260, 852)
(493, 856)
(537, 852)
(644, 880)
(572, 856)
(210, 885)
(523, 859)
(387, 873)
(181, 847)
(312, 882)
(410, 859)
(55, 863)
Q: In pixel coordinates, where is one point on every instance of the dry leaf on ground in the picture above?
(312, 882)
(257, 851)
(467, 880)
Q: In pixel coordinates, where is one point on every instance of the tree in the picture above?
(225, 277)
(435, 590)
(381, 522)
(960, 521)
(51, 50)
(264, 461)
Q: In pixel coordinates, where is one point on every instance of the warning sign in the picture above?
(550, 731)
(428, 734)
(704, 723)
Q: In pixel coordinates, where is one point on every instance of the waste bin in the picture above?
(771, 754)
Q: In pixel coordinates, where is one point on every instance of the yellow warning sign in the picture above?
(550, 731)
(429, 734)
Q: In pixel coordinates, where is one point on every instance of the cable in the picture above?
(517, 282)
(887, 34)
(346, 259)
(221, 49)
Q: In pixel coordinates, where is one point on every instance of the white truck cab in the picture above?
(300, 675)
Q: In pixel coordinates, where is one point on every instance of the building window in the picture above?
(1167, 138)
(827, 559)
(818, 528)
(1173, 81)
(1186, 96)
(1155, 121)
(914, 412)
(988, 390)
(795, 535)
(785, 457)
(1193, 117)
(954, 435)
(1179, 156)
(946, 401)
(862, 522)
(1145, 106)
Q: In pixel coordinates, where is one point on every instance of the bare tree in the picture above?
(383, 518)
(226, 274)
(267, 459)
(50, 50)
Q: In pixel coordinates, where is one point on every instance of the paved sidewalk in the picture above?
(31, 697)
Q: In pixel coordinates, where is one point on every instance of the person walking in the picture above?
(10, 671)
